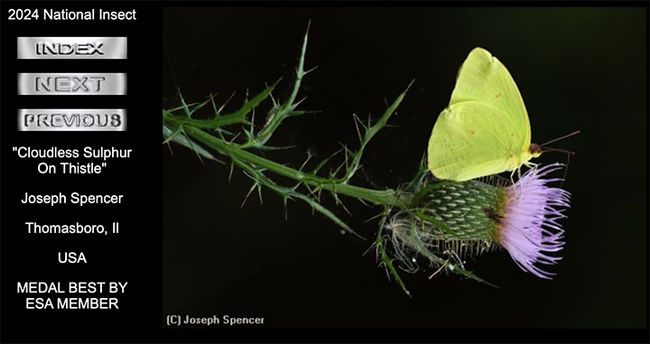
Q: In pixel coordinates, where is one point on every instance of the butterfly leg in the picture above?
(519, 191)
(512, 180)
(531, 164)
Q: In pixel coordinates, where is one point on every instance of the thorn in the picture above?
(439, 269)
(303, 112)
(386, 269)
(276, 83)
(298, 102)
(311, 70)
(232, 167)
(311, 191)
(227, 101)
(214, 106)
(409, 86)
(339, 202)
(369, 249)
(305, 163)
(336, 172)
(234, 138)
(219, 161)
(357, 121)
(187, 110)
(374, 217)
(286, 209)
(221, 133)
(249, 192)
(252, 130)
(174, 134)
(275, 102)
(249, 136)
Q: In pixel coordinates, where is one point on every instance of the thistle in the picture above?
(450, 221)
(440, 221)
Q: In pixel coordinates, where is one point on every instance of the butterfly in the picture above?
(485, 129)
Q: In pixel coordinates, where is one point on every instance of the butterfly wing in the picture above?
(472, 140)
(485, 129)
(484, 79)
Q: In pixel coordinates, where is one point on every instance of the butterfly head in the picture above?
(535, 150)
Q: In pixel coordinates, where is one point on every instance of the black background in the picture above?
(134, 254)
(576, 68)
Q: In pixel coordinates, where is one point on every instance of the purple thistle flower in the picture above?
(529, 229)
(458, 219)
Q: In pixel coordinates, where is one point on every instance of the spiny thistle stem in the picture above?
(286, 109)
(183, 129)
(378, 197)
(179, 126)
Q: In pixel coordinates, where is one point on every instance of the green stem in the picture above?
(380, 197)
(218, 122)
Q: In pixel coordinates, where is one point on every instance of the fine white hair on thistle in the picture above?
(412, 237)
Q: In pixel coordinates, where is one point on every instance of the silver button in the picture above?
(72, 120)
(72, 47)
(72, 83)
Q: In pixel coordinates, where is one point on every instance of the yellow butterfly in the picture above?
(485, 129)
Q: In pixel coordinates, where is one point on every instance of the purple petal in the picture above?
(530, 229)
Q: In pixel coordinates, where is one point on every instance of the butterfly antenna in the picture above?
(549, 149)
(561, 138)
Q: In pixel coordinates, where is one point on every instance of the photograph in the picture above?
(406, 168)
